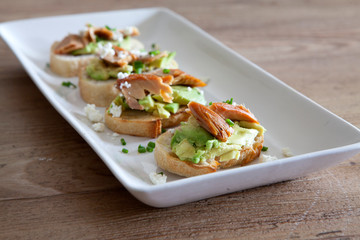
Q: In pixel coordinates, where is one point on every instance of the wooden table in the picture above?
(54, 186)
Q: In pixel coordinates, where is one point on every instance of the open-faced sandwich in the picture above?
(219, 136)
(97, 79)
(149, 102)
(75, 50)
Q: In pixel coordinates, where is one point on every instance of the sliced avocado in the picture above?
(161, 111)
(96, 70)
(157, 97)
(242, 136)
(120, 101)
(196, 135)
(184, 150)
(234, 154)
(163, 62)
(88, 49)
(256, 126)
(185, 94)
(172, 107)
(126, 43)
(148, 103)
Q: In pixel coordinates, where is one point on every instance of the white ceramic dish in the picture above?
(317, 137)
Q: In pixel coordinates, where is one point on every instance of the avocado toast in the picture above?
(75, 50)
(215, 137)
(97, 78)
(149, 102)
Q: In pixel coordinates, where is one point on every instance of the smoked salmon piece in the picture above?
(211, 121)
(181, 78)
(233, 112)
(68, 44)
(137, 86)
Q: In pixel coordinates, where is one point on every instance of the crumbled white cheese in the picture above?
(115, 110)
(200, 91)
(122, 54)
(139, 53)
(157, 178)
(122, 75)
(128, 30)
(92, 113)
(267, 158)
(115, 135)
(118, 36)
(125, 84)
(287, 152)
(189, 89)
(105, 50)
(98, 127)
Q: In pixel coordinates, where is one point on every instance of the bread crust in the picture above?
(168, 161)
(67, 65)
(142, 123)
(100, 93)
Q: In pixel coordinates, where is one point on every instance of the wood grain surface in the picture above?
(54, 186)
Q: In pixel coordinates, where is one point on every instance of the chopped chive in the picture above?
(151, 144)
(229, 101)
(141, 149)
(149, 149)
(162, 174)
(68, 84)
(166, 70)
(138, 66)
(107, 27)
(123, 141)
(210, 103)
(153, 53)
(163, 130)
(154, 46)
(231, 123)
(264, 148)
(124, 150)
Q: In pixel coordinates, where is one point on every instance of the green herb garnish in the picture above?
(68, 84)
(162, 174)
(123, 141)
(264, 148)
(138, 67)
(153, 53)
(231, 123)
(141, 149)
(124, 150)
(166, 70)
(210, 103)
(154, 46)
(151, 144)
(229, 101)
(163, 130)
(149, 149)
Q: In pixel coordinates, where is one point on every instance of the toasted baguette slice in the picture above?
(142, 123)
(168, 161)
(68, 66)
(100, 93)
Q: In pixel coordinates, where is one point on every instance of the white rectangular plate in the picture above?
(317, 137)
